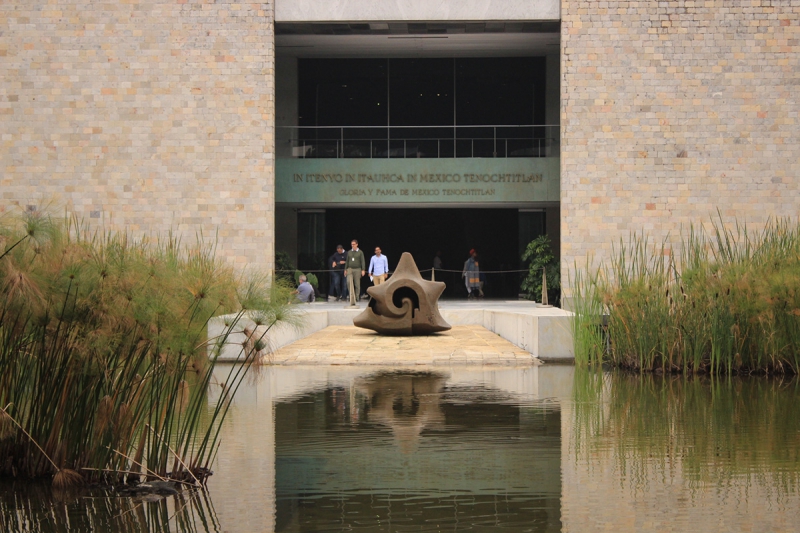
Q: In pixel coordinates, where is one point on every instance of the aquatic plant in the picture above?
(104, 360)
(589, 326)
(727, 302)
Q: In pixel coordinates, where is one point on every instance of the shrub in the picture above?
(312, 278)
(538, 256)
(283, 266)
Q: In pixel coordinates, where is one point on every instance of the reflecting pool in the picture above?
(540, 449)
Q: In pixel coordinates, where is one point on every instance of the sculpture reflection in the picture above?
(405, 402)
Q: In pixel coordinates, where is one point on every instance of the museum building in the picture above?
(427, 127)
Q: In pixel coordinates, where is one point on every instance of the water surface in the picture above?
(544, 449)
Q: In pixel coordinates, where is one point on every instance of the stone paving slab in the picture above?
(349, 345)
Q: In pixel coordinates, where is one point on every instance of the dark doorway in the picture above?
(493, 233)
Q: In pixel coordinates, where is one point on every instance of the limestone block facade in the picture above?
(144, 115)
(672, 110)
(151, 115)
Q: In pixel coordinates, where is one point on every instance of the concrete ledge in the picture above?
(544, 332)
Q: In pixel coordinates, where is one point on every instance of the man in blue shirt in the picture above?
(304, 292)
(378, 267)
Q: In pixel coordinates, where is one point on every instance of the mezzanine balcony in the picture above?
(405, 142)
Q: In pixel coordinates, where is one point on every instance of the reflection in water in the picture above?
(718, 429)
(716, 454)
(406, 403)
(35, 506)
(407, 452)
(549, 449)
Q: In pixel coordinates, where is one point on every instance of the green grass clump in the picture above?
(729, 302)
(104, 360)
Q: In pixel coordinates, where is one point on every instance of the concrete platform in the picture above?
(542, 332)
(350, 345)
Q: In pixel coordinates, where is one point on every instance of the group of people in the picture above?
(348, 268)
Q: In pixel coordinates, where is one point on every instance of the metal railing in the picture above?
(418, 141)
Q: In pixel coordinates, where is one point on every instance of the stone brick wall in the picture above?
(672, 110)
(145, 115)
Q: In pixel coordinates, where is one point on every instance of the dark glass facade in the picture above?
(422, 107)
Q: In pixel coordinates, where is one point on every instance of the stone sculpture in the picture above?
(404, 305)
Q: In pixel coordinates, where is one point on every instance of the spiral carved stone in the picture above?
(404, 305)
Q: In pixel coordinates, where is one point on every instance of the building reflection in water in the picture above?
(418, 450)
(478, 449)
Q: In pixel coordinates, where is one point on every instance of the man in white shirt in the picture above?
(378, 267)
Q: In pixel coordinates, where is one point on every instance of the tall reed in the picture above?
(727, 302)
(104, 366)
(589, 323)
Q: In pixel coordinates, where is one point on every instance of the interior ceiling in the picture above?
(425, 39)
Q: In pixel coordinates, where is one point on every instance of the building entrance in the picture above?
(498, 235)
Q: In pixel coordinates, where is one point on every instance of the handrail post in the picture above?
(494, 134)
(405, 149)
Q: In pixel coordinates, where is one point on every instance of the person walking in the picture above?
(337, 263)
(378, 267)
(437, 265)
(356, 268)
(471, 274)
(437, 261)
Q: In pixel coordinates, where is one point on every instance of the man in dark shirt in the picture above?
(304, 291)
(337, 262)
